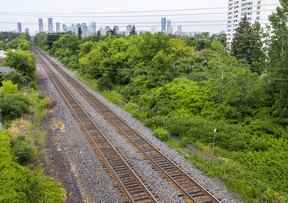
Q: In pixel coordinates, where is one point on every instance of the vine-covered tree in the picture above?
(247, 45)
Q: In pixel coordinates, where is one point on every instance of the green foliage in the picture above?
(40, 40)
(162, 134)
(8, 36)
(278, 55)
(12, 104)
(247, 45)
(23, 62)
(20, 184)
(182, 95)
(20, 42)
(17, 78)
(22, 150)
(2, 45)
(8, 87)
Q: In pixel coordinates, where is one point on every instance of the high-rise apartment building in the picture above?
(50, 25)
(254, 10)
(40, 25)
(27, 31)
(92, 28)
(163, 24)
(179, 30)
(64, 28)
(169, 27)
(19, 27)
(84, 29)
(58, 27)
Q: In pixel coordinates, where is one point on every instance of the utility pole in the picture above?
(214, 140)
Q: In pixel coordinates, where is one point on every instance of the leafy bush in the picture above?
(22, 150)
(13, 106)
(17, 78)
(20, 184)
(20, 42)
(162, 134)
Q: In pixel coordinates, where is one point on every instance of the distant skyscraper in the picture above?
(64, 28)
(84, 29)
(179, 30)
(27, 31)
(50, 25)
(163, 24)
(169, 27)
(92, 28)
(19, 27)
(58, 27)
(41, 25)
(74, 28)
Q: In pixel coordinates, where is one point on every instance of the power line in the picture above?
(113, 12)
(116, 23)
(125, 16)
(117, 12)
(116, 16)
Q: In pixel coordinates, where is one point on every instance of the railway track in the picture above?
(130, 184)
(189, 189)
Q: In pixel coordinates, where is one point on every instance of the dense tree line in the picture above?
(189, 90)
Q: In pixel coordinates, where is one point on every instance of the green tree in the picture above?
(247, 45)
(22, 61)
(278, 55)
(2, 45)
(41, 40)
(20, 42)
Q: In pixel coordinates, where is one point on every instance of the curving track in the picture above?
(188, 188)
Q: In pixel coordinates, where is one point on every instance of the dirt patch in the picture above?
(56, 165)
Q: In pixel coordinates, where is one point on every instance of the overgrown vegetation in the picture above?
(19, 183)
(230, 106)
(21, 139)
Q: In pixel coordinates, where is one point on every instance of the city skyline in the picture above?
(207, 16)
(52, 8)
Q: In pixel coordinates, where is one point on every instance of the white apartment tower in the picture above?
(255, 10)
(237, 9)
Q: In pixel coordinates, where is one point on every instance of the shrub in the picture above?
(161, 134)
(17, 78)
(20, 184)
(22, 150)
(13, 106)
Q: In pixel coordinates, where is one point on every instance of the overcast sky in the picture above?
(28, 11)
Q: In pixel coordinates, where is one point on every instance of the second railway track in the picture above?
(189, 189)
